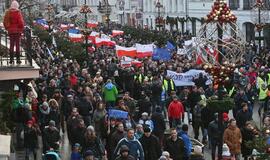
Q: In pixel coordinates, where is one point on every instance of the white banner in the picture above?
(186, 79)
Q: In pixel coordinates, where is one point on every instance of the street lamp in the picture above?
(105, 8)
(159, 19)
(260, 16)
(85, 9)
(49, 8)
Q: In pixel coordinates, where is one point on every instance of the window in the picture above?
(234, 4)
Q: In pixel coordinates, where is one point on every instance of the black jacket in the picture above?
(151, 147)
(242, 117)
(85, 107)
(247, 135)
(159, 123)
(30, 137)
(196, 157)
(175, 148)
(50, 137)
(125, 158)
(95, 146)
(215, 132)
(114, 138)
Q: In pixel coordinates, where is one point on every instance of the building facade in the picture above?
(198, 9)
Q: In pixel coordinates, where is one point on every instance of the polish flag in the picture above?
(93, 36)
(128, 62)
(144, 50)
(117, 33)
(125, 51)
(64, 26)
(92, 24)
(75, 37)
(104, 40)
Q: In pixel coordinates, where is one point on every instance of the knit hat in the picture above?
(91, 128)
(88, 153)
(162, 158)
(52, 123)
(158, 109)
(225, 116)
(124, 148)
(144, 114)
(14, 5)
(147, 130)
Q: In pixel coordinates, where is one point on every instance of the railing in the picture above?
(25, 49)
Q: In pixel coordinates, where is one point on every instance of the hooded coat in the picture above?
(233, 137)
(13, 20)
(110, 92)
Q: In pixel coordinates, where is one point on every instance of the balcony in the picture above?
(28, 69)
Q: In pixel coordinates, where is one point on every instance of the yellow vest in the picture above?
(231, 91)
(140, 78)
(262, 94)
(165, 85)
(259, 82)
(268, 82)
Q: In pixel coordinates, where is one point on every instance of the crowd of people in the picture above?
(74, 99)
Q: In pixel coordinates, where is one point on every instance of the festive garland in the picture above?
(220, 105)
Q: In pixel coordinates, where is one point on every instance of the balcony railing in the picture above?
(25, 49)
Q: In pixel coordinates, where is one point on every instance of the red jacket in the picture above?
(176, 110)
(13, 21)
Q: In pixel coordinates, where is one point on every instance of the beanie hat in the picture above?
(225, 116)
(124, 148)
(14, 5)
(88, 153)
(147, 130)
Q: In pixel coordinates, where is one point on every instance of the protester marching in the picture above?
(131, 100)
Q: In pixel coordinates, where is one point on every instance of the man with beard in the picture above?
(150, 144)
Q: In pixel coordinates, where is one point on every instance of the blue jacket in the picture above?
(187, 142)
(134, 146)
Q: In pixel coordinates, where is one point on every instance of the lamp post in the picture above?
(159, 19)
(259, 24)
(85, 9)
(49, 8)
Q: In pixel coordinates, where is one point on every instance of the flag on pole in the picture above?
(75, 35)
(144, 50)
(117, 33)
(125, 51)
(92, 24)
(64, 26)
(161, 54)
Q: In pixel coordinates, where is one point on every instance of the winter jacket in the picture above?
(55, 116)
(242, 117)
(215, 132)
(151, 147)
(50, 138)
(13, 21)
(95, 145)
(159, 123)
(175, 110)
(247, 135)
(135, 148)
(175, 148)
(114, 138)
(85, 107)
(30, 137)
(110, 92)
(187, 142)
(232, 137)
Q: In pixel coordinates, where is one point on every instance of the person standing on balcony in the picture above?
(14, 24)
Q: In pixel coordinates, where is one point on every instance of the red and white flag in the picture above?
(125, 51)
(117, 33)
(64, 26)
(92, 24)
(93, 36)
(128, 62)
(144, 50)
(104, 42)
(75, 37)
